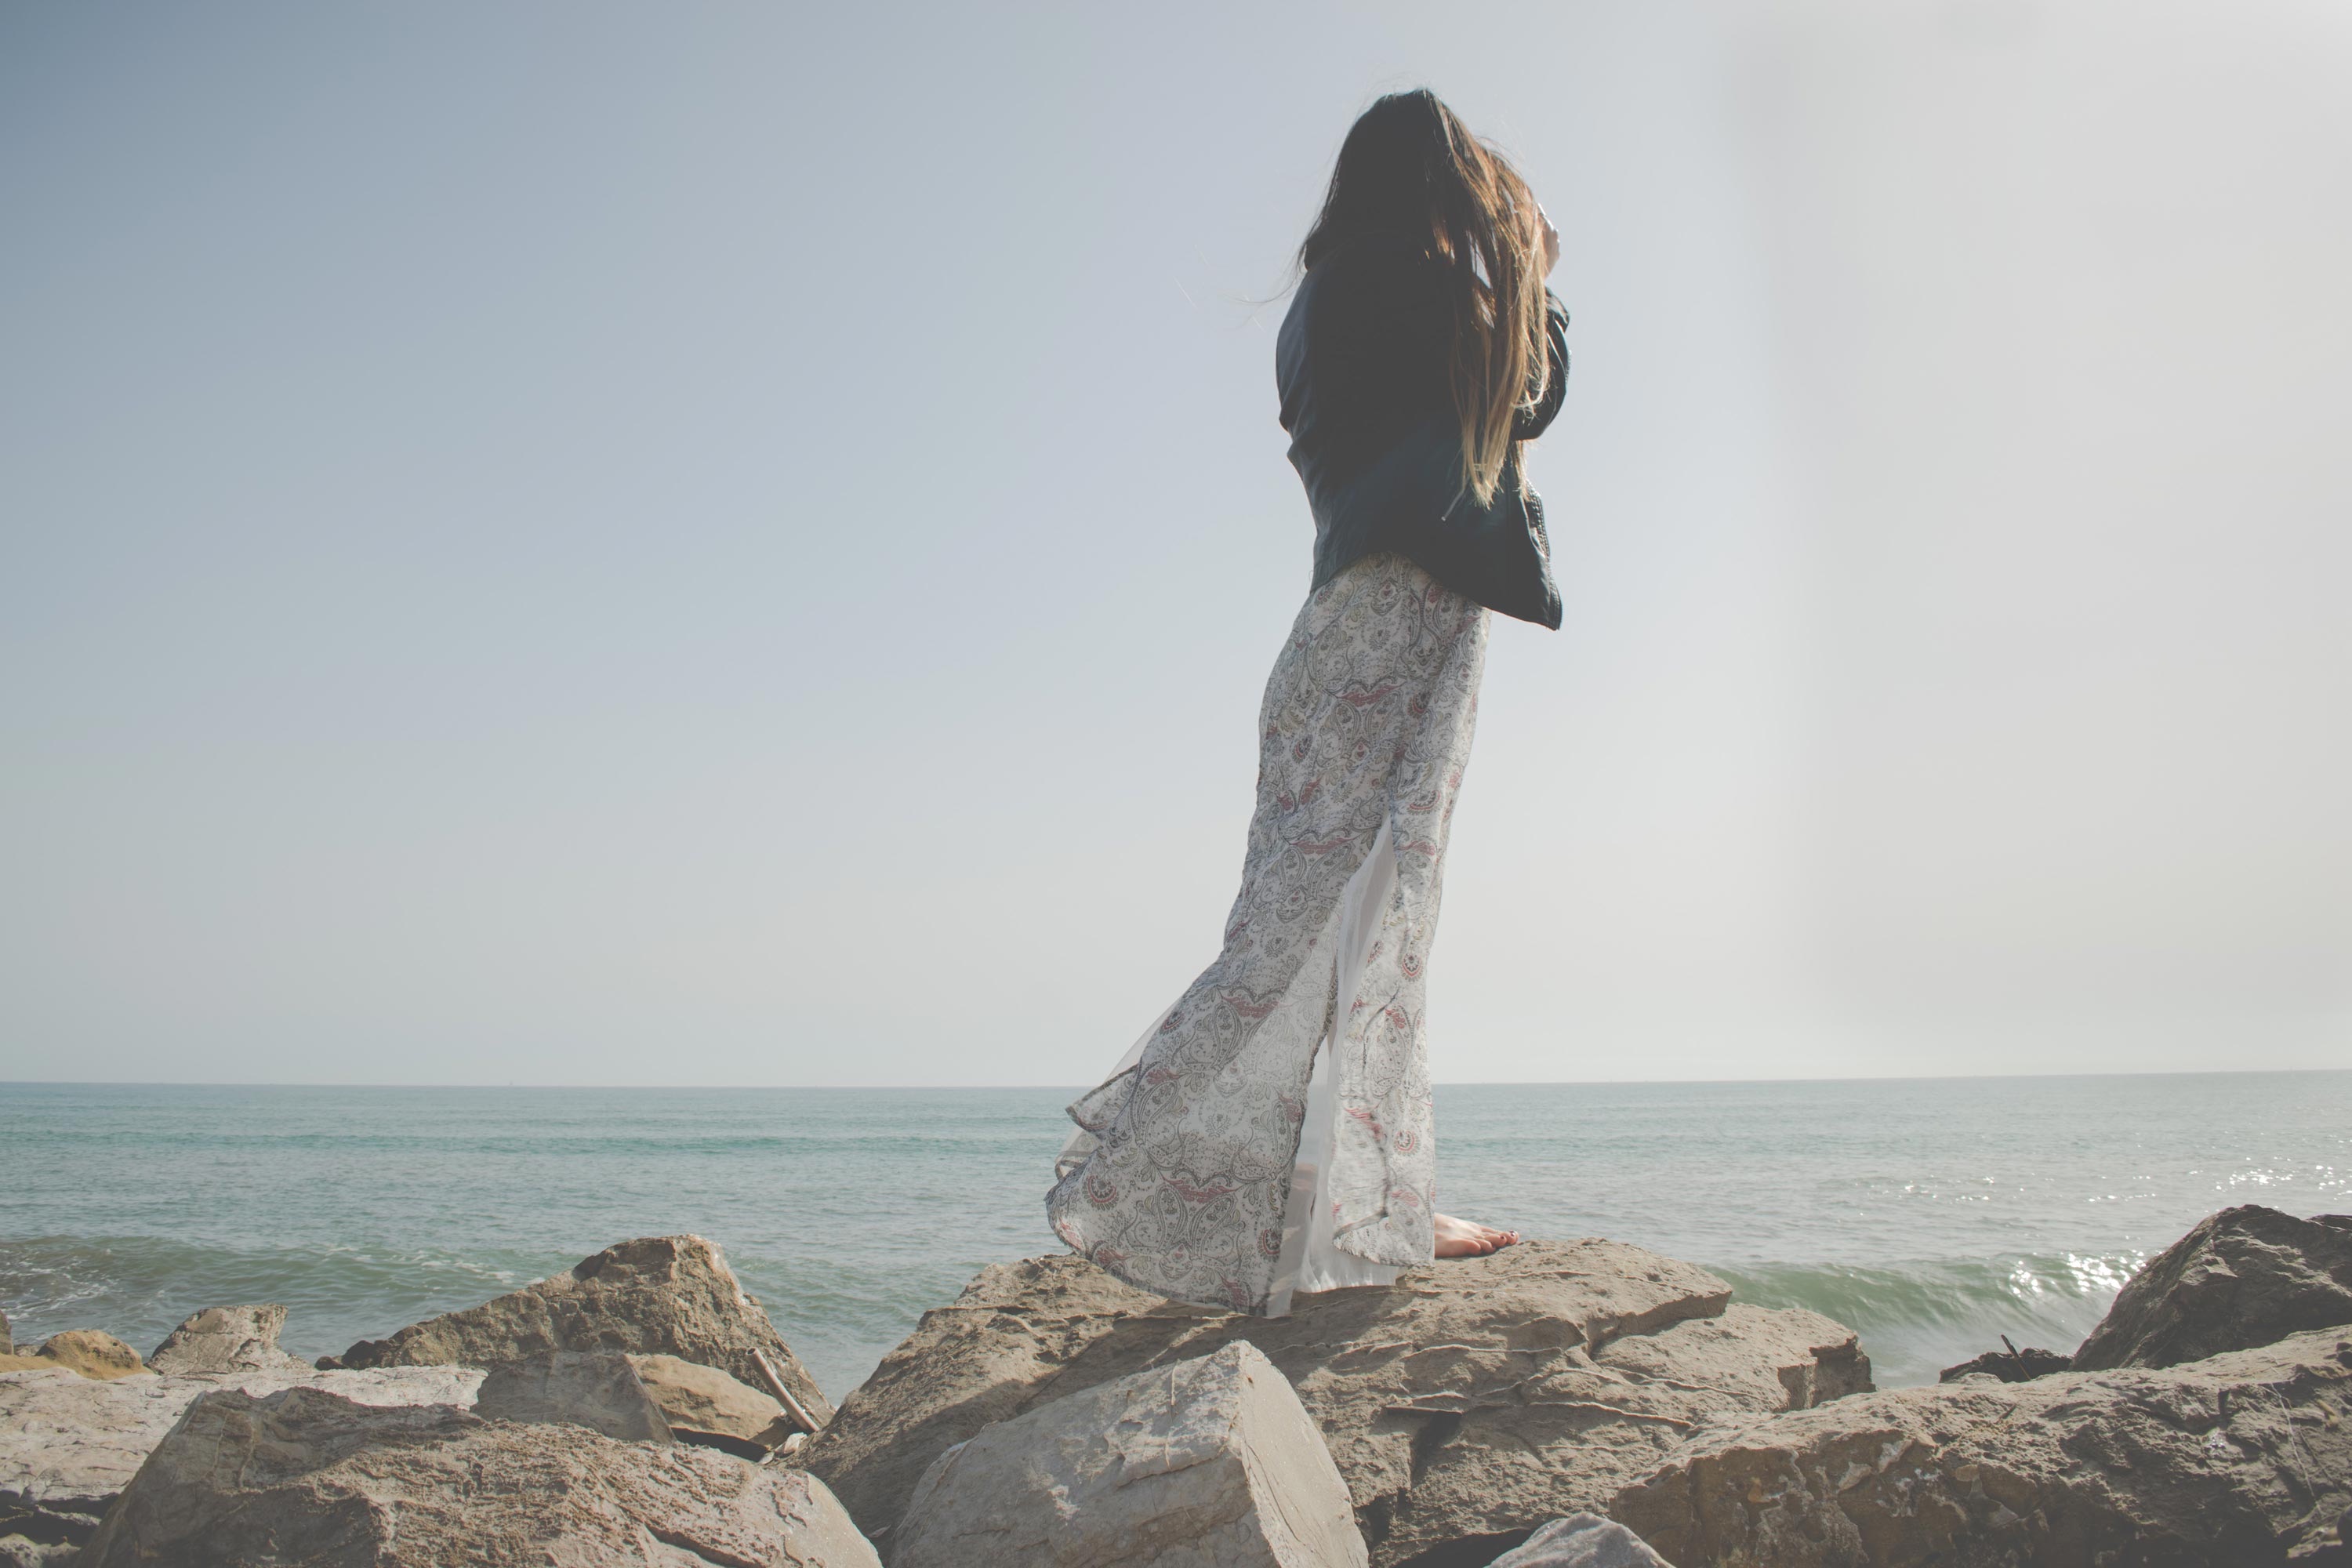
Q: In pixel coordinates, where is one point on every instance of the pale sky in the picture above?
(740, 543)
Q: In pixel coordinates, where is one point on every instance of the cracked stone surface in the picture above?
(228, 1339)
(304, 1476)
(658, 1295)
(68, 1444)
(2240, 1458)
(1208, 1463)
(1465, 1405)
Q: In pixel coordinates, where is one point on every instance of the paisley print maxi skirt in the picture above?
(1180, 1177)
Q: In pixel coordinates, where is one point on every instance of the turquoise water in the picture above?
(1931, 1214)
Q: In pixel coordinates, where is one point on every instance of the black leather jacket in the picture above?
(1361, 364)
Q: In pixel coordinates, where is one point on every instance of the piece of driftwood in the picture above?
(775, 1382)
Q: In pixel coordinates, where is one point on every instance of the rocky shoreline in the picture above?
(1581, 1402)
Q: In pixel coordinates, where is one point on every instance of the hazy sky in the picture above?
(732, 544)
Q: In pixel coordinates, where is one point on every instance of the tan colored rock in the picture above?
(1476, 1398)
(70, 1443)
(303, 1474)
(22, 1551)
(596, 1390)
(228, 1339)
(90, 1354)
(2241, 1278)
(2236, 1460)
(1209, 1462)
(667, 1295)
(701, 1401)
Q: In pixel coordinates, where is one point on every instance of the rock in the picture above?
(2244, 1276)
(596, 1390)
(227, 1339)
(2239, 1459)
(67, 1444)
(90, 1354)
(668, 1294)
(702, 1403)
(1210, 1461)
(1582, 1541)
(2010, 1365)
(1466, 1404)
(304, 1476)
(21, 1552)
(7, 1344)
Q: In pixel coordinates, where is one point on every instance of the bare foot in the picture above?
(1468, 1238)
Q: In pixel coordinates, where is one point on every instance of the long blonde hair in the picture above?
(1410, 163)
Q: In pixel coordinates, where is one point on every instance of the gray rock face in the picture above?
(1471, 1402)
(70, 1443)
(228, 1339)
(598, 1390)
(1582, 1541)
(2237, 1460)
(668, 1294)
(303, 1475)
(701, 1401)
(1209, 1463)
(2244, 1276)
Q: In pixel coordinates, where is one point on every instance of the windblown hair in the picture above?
(1408, 163)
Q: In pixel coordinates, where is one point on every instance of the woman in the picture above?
(1270, 1133)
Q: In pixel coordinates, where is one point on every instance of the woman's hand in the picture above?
(1546, 240)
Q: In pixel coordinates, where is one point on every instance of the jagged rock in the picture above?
(1210, 1461)
(22, 1551)
(2237, 1460)
(669, 1295)
(2010, 1365)
(304, 1476)
(1582, 1541)
(7, 1344)
(89, 1353)
(228, 1339)
(2244, 1276)
(1465, 1405)
(68, 1444)
(596, 1390)
(702, 1403)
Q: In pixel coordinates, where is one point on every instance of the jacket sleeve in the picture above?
(1532, 421)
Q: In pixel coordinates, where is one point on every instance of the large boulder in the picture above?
(588, 1388)
(2245, 1276)
(1210, 1461)
(667, 1295)
(304, 1476)
(1465, 1405)
(69, 1444)
(2234, 1461)
(228, 1339)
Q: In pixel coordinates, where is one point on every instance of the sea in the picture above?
(1933, 1215)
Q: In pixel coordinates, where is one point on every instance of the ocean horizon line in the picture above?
(1080, 1088)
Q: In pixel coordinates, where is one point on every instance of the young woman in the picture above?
(1270, 1132)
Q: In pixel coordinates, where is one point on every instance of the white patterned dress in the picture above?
(1271, 1131)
